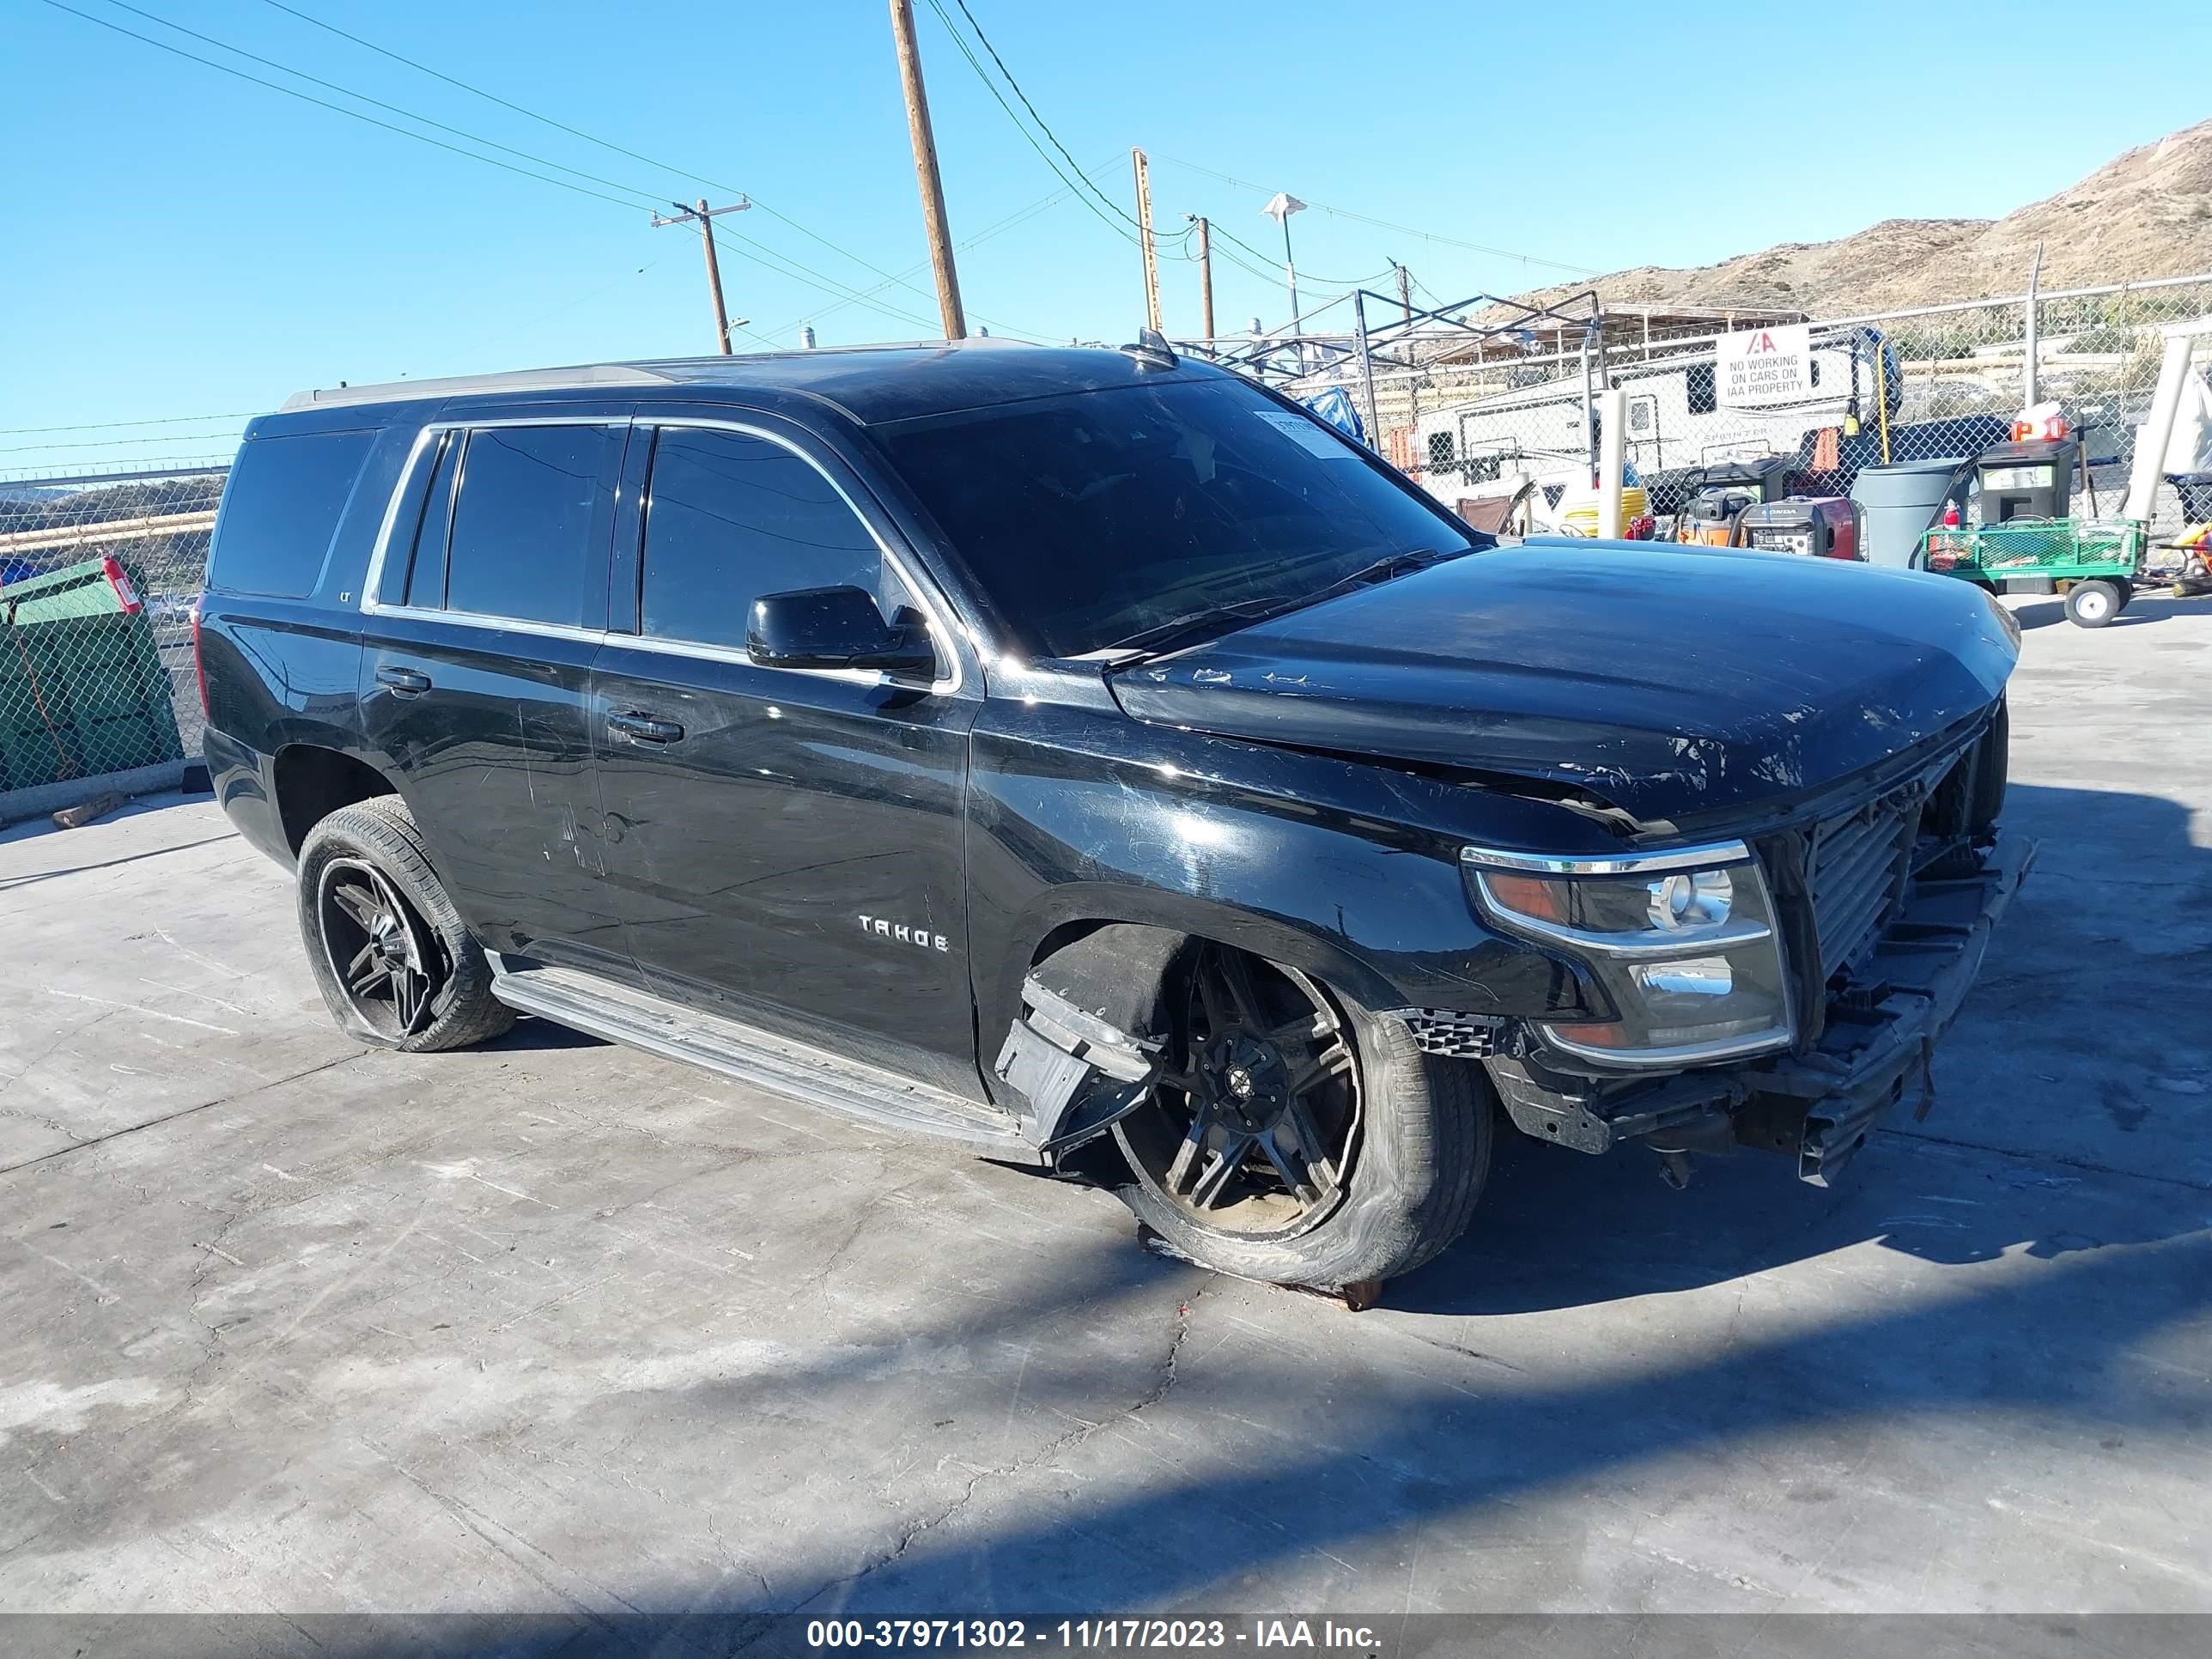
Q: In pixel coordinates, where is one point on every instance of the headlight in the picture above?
(1683, 943)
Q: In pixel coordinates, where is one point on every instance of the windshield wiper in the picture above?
(1198, 624)
(1224, 618)
(1391, 564)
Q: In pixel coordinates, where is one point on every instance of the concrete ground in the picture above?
(288, 1326)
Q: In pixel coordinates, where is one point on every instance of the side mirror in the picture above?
(835, 628)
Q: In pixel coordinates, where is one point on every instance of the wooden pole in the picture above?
(706, 217)
(924, 171)
(1145, 240)
(713, 277)
(1206, 280)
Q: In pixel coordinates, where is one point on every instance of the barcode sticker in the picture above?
(1306, 434)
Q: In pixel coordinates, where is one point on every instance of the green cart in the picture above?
(2101, 560)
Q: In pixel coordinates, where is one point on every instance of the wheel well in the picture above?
(313, 783)
(1116, 970)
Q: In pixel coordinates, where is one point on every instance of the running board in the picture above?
(622, 1013)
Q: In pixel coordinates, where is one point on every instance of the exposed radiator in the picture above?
(1861, 862)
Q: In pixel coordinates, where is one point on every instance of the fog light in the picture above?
(1692, 976)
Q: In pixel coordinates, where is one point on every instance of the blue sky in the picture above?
(184, 243)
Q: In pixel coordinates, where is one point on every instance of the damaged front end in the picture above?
(1872, 1053)
(1074, 1058)
(1878, 914)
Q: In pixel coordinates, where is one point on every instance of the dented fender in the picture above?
(1346, 872)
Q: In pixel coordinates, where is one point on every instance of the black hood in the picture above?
(1670, 682)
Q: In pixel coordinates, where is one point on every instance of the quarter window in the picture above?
(530, 524)
(281, 507)
(729, 517)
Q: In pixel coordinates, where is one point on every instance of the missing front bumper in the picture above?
(1872, 1056)
(1877, 1051)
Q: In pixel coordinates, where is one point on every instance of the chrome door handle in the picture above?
(633, 727)
(404, 682)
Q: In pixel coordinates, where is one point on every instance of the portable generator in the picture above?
(1822, 527)
(1722, 491)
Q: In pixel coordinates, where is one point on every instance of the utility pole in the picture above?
(924, 171)
(2027, 378)
(1412, 356)
(1280, 206)
(706, 217)
(1205, 274)
(1145, 239)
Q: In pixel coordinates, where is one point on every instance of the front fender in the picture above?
(1343, 871)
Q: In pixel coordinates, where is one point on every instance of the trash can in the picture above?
(1900, 501)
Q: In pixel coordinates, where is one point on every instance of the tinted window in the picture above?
(280, 509)
(530, 524)
(1700, 377)
(731, 517)
(1096, 517)
(426, 577)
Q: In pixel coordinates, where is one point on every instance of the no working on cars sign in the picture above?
(1761, 367)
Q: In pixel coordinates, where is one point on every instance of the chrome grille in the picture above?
(1860, 864)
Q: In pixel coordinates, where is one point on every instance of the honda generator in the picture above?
(1824, 527)
(1723, 489)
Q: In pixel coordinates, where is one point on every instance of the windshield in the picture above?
(1093, 517)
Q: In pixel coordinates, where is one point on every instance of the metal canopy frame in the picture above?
(1398, 343)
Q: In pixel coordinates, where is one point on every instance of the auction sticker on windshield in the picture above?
(1304, 433)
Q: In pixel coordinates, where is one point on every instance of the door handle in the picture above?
(404, 682)
(634, 727)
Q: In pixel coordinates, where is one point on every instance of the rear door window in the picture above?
(281, 507)
(532, 523)
(729, 517)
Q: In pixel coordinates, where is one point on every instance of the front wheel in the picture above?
(1297, 1139)
(396, 965)
(2093, 604)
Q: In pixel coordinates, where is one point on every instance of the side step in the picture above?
(622, 1013)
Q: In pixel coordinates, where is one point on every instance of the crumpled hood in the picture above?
(1670, 682)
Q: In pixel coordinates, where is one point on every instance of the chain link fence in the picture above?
(1501, 420)
(99, 575)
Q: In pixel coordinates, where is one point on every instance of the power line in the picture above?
(322, 103)
(378, 103)
(111, 426)
(1386, 224)
(804, 275)
(1332, 282)
(1078, 182)
(493, 97)
(592, 138)
(1018, 216)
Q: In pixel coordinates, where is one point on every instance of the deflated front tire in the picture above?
(1296, 1138)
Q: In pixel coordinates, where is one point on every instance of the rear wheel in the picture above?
(396, 965)
(1297, 1139)
(2093, 604)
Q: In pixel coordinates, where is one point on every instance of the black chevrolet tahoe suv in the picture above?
(1089, 757)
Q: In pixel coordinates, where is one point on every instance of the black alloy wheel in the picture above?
(387, 963)
(1253, 1128)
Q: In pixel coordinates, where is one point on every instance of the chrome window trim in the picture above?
(925, 591)
(1711, 855)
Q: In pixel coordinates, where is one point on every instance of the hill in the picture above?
(2148, 213)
